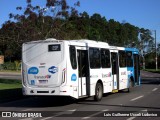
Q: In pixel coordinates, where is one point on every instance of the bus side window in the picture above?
(94, 56)
(122, 58)
(129, 59)
(72, 50)
(105, 58)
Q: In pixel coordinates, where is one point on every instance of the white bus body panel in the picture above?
(123, 75)
(43, 70)
(123, 78)
(107, 80)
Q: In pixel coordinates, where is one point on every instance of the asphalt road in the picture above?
(142, 100)
(10, 75)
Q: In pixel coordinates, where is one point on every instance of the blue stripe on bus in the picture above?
(130, 70)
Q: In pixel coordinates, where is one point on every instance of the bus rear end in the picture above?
(42, 67)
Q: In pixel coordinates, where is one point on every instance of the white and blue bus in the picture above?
(77, 68)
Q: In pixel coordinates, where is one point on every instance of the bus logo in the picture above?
(53, 69)
(73, 77)
(33, 70)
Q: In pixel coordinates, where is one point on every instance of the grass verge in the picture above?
(4, 86)
(10, 89)
(14, 71)
(153, 70)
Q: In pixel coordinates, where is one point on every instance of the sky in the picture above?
(140, 13)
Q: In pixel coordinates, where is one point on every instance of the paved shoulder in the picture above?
(145, 74)
(10, 75)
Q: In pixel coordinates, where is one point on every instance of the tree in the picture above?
(97, 27)
(146, 45)
(34, 24)
(61, 21)
(158, 49)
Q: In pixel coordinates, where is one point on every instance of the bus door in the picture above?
(136, 69)
(83, 72)
(115, 70)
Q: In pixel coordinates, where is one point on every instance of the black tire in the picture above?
(127, 90)
(98, 92)
(131, 83)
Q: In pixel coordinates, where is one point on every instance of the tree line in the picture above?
(61, 21)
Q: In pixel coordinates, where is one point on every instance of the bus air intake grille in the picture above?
(42, 91)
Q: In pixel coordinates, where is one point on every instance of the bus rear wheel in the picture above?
(98, 92)
(131, 84)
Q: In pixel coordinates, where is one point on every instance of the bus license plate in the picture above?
(43, 81)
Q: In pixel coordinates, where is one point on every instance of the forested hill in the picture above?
(60, 21)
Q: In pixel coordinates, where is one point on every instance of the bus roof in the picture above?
(92, 43)
(74, 41)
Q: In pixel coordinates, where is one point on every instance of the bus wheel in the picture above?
(131, 83)
(98, 92)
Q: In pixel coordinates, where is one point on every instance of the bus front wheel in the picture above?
(98, 92)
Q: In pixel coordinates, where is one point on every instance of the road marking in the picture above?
(46, 118)
(60, 113)
(27, 110)
(72, 110)
(155, 89)
(137, 98)
(131, 118)
(65, 112)
(84, 118)
(26, 119)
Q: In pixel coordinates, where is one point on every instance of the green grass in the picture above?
(4, 86)
(8, 81)
(15, 71)
(153, 70)
(10, 89)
